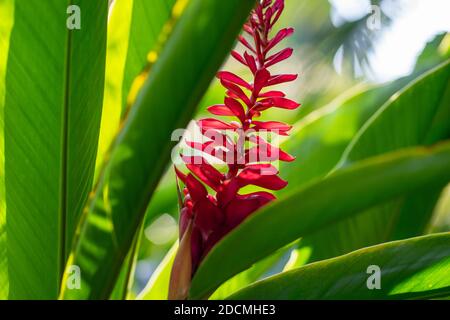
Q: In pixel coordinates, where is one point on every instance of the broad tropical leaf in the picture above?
(196, 48)
(416, 268)
(417, 115)
(304, 211)
(50, 136)
(322, 137)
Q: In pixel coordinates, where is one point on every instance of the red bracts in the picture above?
(213, 201)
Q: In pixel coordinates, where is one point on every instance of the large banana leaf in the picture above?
(417, 268)
(304, 212)
(52, 111)
(417, 115)
(197, 46)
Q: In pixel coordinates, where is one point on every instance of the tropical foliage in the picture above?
(86, 118)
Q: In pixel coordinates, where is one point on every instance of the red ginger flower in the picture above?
(207, 218)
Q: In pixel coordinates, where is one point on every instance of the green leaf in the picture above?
(321, 138)
(134, 29)
(197, 46)
(304, 211)
(146, 32)
(6, 24)
(417, 268)
(157, 287)
(417, 115)
(435, 52)
(248, 276)
(441, 219)
(124, 283)
(52, 110)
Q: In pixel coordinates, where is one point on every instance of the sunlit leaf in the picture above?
(51, 113)
(417, 268)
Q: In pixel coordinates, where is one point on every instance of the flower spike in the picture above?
(208, 215)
